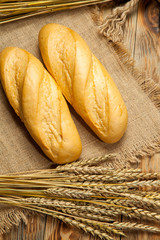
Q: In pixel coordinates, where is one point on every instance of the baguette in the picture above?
(84, 81)
(39, 103)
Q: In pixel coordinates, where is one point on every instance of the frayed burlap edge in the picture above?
(118, 161)
(148, 85)
(11, 216)
(111, 26)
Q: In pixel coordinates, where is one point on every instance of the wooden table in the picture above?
(141, 37)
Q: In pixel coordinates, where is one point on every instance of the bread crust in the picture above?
(84, 81)
(38, 101)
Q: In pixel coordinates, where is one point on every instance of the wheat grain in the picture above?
(69, 193)
(135, 226)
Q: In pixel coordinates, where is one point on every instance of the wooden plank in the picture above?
(130, 29)
(147, 47)
(41, 227)
(56, 230)
(150, 164)
(142, 40)
(34, 230)
(129, 41)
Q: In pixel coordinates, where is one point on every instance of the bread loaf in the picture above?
(38, 101)
(84, 82)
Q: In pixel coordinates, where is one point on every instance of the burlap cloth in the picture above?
(18, 152)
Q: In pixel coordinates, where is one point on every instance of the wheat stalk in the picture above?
(69, 193)
(92, 216)
(142, 227)
(84, 163)
(100, 170)
(15, 10)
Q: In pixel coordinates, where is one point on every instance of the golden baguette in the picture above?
(84, 82)
(38, 101)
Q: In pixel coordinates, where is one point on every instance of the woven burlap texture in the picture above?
(18, 152)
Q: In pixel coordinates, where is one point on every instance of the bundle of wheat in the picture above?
(87, 196)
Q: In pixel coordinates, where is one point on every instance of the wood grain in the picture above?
(141, 38)
(147, 47)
